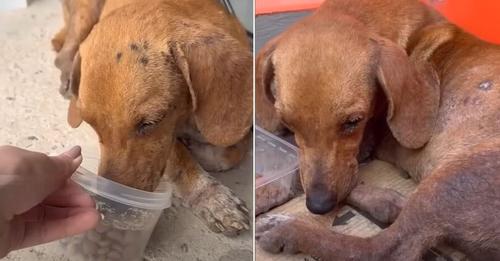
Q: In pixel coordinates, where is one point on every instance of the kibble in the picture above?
(94, 236)
(121, 235)
(110, 244)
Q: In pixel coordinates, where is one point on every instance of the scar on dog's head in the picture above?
(137, 93)
(324, 85)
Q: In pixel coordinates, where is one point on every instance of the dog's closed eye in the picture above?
(352, 122)
(145, 126)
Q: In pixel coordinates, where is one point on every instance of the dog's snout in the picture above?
(321, 201)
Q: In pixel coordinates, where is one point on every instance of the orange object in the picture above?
(478, 17)
(279, 6)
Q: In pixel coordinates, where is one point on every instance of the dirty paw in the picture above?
(268, 222)
(275, 234)
(222, 210)
(64, 61)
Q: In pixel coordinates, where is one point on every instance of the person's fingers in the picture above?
(52, 171)
(75, 221)
(71, 195)
(38, 176)
(67, 162)
(47, 212)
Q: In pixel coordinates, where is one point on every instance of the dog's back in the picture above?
(209, 11)
(469, 112)
(470, 85)
(394, 19)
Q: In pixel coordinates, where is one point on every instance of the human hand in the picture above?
(38, 201)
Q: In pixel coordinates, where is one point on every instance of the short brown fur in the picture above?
(446, 137)
(154, 78)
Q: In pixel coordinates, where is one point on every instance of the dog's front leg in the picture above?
(382, 204)
(280, 233)
(214, 203)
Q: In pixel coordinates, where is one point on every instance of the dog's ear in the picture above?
(411, 85)
(74, 117)
(265, 89)
(412, 92)
(422, 44)
(218, 70)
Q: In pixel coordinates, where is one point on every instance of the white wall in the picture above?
(12, 4)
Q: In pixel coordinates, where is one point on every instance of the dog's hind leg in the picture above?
(80, 17)
(212, 202)
(214, 158)
(60, 37)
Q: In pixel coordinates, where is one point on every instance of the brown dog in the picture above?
(167, 86)
(337, 79)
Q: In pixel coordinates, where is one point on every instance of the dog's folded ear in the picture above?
(265, 89)
(218, 70)
(74, 117)
(411, 84)
(412, 91)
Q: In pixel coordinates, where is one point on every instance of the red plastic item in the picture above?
(279, 6)
(478, 17)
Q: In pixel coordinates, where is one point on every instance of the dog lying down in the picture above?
(428, 95)
(167, 86)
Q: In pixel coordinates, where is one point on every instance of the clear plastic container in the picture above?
(276, 171)
(128, 215)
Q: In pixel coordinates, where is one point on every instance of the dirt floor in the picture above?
(34, 117)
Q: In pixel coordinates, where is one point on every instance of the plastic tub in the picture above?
(128, 215)
(276, 171)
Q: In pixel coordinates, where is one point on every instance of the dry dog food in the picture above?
(128, 218)
(276, 165)
(103, 243)
(275, 193)
(122, 234)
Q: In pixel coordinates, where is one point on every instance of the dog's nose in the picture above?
(321, 201)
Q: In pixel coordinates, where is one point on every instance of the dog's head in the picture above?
(136, 86)
(323, 83)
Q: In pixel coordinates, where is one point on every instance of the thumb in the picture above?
(66, 163)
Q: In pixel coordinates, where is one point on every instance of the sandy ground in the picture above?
(34, 117)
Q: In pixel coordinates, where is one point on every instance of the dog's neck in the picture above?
(408, 16)
(376, 129)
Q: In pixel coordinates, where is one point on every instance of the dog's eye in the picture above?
(351, 124)
(145, 127)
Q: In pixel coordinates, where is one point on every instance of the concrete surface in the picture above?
(33, 116)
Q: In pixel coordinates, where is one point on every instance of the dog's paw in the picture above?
(223, 211)
(64, 62)
(268, 222)
(275, 234)
(57, 44)
(64, 88)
